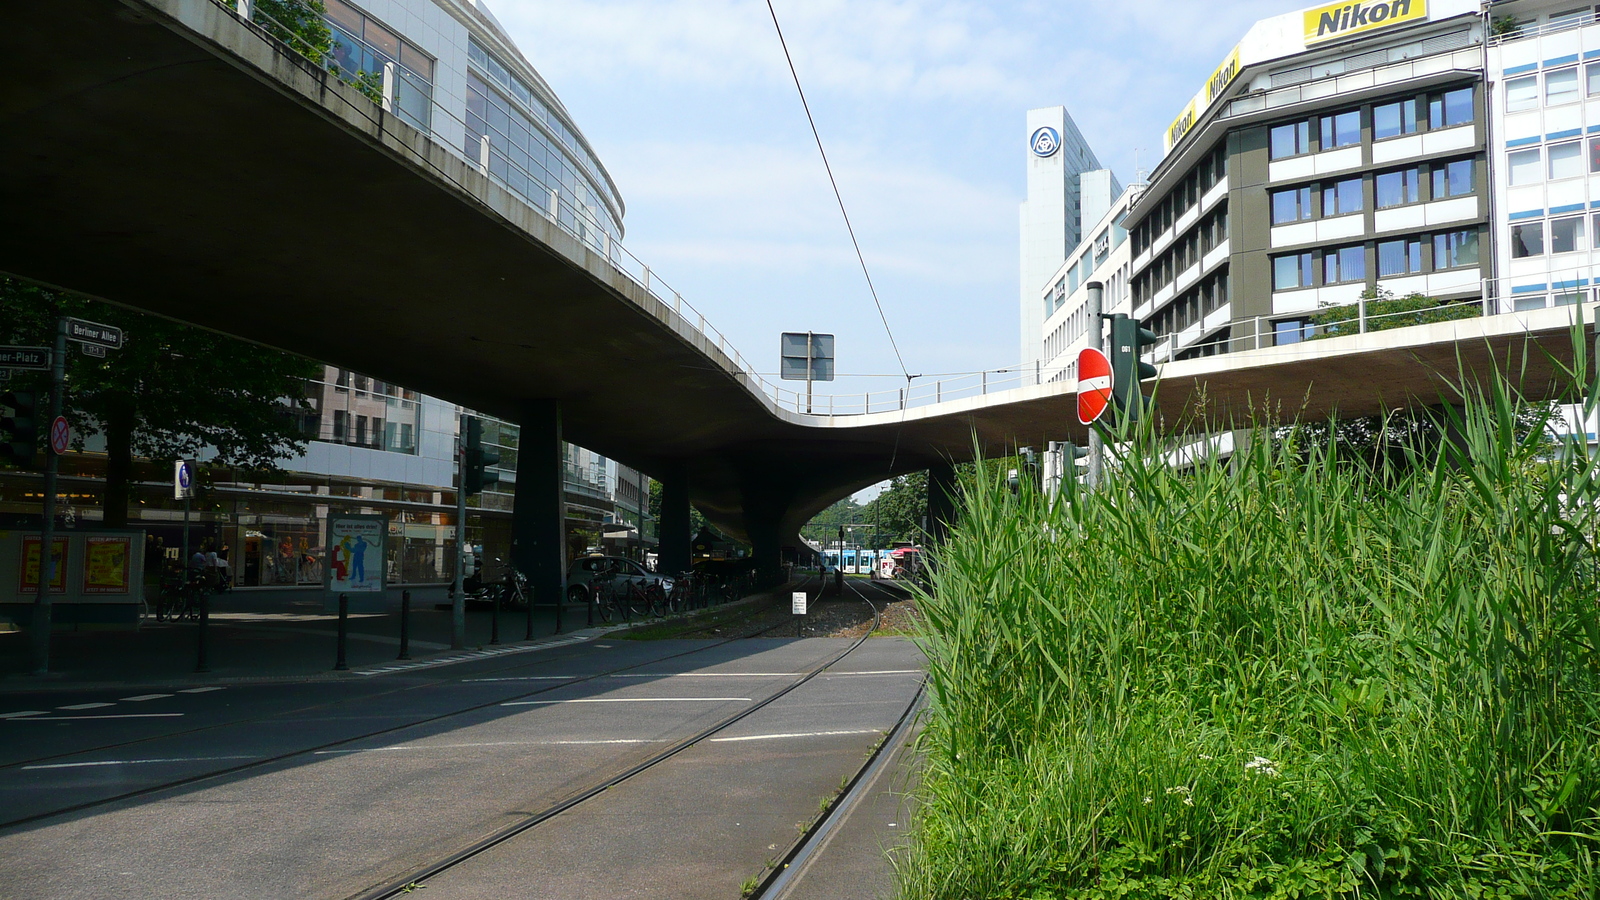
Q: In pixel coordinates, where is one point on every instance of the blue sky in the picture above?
(921, 105)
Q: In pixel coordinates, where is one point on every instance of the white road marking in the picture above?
(628, 700)
(200, 690)
(26, 712)
(131, 762)
(143, 697)
(79, 718)
(527, 678)
(792, 734)
(494, 744)
(96, 705)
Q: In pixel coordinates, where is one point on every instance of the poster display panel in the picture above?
(29, 574)
(107, 565)
(356, 553)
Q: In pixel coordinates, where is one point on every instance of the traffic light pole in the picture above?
(52, 466)
(1095, 309)
(458, 600)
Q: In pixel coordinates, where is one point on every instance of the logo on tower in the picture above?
(1045, 141)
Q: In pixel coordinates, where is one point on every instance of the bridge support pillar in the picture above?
(539, 514)
(766, 546)
(674, 525)
(941, 501)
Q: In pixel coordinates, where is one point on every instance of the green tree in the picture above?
(303, 26)
(171, 391)
(898, 511)
(1385, 311)
(824, 526)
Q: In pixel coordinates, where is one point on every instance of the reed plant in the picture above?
(1275, 674)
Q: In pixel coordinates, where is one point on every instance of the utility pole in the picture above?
(458, 600)
(1095, 312)
(47, 533)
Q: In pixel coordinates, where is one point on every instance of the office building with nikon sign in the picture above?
(1335, 152)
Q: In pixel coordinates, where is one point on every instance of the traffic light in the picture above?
(475, 476)
(1128, 339)
(19, 429)
(1071, 455)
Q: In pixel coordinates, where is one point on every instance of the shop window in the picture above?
(1291, 271)
(1566, 235)
(1452, 179)
(1292, 139)
(1524, 166)
(1522, 93)
(1403, 257)
(1566, 160)
(1560, 86)
(1293, 205)
(1344, 264)
(1450, 108)
(1394, 119)
(1397, 188)
(1341, 129)
(1527, 239)
(1455, 248)
(1341, 197)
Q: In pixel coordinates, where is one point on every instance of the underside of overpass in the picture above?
(163, 155)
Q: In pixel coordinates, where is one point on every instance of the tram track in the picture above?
(406, 881)
(323, 747)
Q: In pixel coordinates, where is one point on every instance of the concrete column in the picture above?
(674, 525)
(538, 517)
(941, 501)
(766, 546)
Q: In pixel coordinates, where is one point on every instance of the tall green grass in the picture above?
(1275, 675)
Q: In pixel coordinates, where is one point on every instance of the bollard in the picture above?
(527, 601)
(344, 632)
(200, 664)
(594, 598)
(559, 604)
(405, 625)
(494, 620)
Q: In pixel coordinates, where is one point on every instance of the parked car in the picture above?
(581, 576)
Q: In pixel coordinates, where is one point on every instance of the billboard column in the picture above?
(674, 524)
(538, 514)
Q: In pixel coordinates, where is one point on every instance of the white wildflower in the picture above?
(1148, 800)
(1262, 766)
(1183, 791)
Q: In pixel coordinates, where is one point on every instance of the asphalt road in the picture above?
(324, 789)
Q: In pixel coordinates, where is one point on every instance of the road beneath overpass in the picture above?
(163, 155)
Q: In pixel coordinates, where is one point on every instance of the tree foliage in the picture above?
(824, 526)
(172, 391)
(1385, 311)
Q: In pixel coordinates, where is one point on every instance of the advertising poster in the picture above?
(106, 565)
(30, 565)
(356, 553)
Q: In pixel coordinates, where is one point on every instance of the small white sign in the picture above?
(182, 479)
(799, 602)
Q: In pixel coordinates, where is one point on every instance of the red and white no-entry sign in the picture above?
(59, 435)
(1094, 384)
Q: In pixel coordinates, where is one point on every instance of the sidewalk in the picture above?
(262, 636)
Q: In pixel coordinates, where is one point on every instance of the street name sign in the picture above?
(1094, 385)
(95, 333)
(24, 357)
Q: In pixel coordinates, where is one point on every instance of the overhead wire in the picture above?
(837, 195)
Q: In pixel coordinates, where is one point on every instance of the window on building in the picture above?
(1527, 239)
(361, 45)
(1452, 179)
(1524, 166)
(1396, 188)
(1566, 160)
(1523, 304)
(1292, 139)
(1341, 197)
(1341, 129)
(1455, 248)
(1568, 298)
(1344, 264)
(1402, 257)
(361, 431)
(342, 383)
(1560, 86)
(1450, 108)
(1292, 331)
(1293, 205)
(1591, 75)
(339, 417)
(1292, 271)
(1566, 235)
(1522, 93)
(1394, 119)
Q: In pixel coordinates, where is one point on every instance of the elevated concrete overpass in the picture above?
(164, 155)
